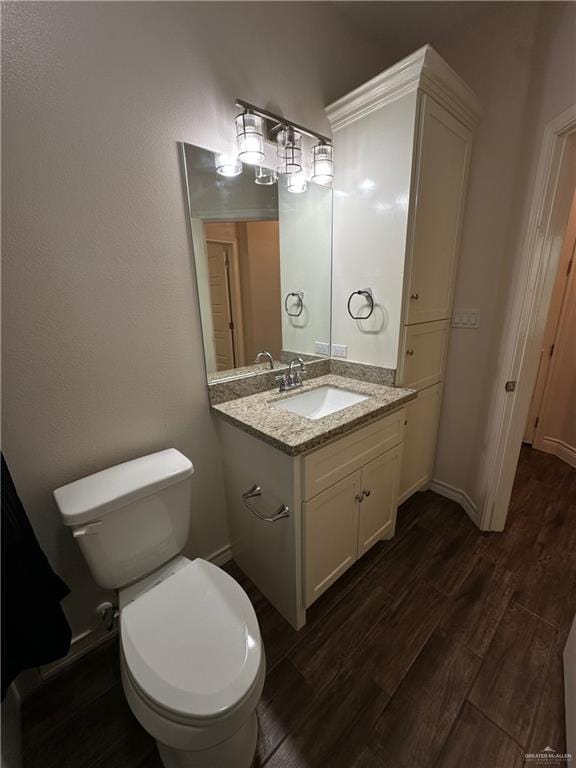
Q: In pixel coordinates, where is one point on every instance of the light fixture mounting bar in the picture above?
(281, 121)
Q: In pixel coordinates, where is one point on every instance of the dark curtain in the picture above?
(34, 628)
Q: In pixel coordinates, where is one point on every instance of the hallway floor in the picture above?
(439, 649)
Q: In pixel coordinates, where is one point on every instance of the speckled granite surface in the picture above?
(375, 374)
(247, 370)
(221, 391)
(293, 434)
(222, 388)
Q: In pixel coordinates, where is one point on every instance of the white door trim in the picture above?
(523, 333)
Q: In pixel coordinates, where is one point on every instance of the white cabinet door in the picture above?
(423, 354)
(380, 479)
(419, 445)
(330, 535)
(442, 170)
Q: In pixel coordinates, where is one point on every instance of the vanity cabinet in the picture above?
(342, 499)
(425, 347)
(342, 522)
(403, 142)
(420, 434)
(443, 153)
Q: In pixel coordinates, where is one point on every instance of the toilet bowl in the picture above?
(193, 666)
(192, 660)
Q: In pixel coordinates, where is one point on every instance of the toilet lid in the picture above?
(192, 642)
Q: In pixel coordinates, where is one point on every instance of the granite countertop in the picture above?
(294, 434)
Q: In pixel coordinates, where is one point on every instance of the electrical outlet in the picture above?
(466, 318)
(322, 347)
(339, 350)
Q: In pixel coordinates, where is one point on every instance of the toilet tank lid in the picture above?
(94, 496)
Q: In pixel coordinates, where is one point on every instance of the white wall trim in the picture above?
(221, 555)
(560, 449)
(91, 639)
(425, 69)
(522, 336)
(459, 496)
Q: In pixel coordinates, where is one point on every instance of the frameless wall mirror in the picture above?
(263, 256)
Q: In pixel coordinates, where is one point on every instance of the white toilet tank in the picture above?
(132, 518)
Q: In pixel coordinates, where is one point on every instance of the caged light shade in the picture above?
(249, 138)
(289, 151)
(323, 164)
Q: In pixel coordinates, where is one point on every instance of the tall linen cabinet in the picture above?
(402, 145)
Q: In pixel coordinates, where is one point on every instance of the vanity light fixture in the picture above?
(323, 163)
(255, 124)
(228, 165)
(249, 137)
(265, 176)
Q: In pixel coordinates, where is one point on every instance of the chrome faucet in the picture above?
(292, 379)
(268, 357)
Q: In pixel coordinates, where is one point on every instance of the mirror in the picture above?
(263, 257)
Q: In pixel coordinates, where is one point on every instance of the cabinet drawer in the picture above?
(424, 347)
(329, 464)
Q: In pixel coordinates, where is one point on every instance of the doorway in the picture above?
(551, 424)
(530, 302)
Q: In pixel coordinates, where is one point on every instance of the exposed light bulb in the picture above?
(228, 165)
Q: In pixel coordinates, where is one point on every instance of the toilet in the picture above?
(192, 659)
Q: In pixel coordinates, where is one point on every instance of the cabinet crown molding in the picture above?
(424, 69)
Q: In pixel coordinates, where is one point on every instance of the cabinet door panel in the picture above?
(380, 480)
(443, 159)
(326, 465)
(424, 349)
(419, 445)
(330, 535)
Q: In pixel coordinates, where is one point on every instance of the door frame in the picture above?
(522, 339)
(235, 297)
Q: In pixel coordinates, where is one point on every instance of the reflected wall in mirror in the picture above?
(263, 265)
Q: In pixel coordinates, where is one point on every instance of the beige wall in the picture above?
(102, 343)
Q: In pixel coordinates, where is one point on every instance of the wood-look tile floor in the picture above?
(439, 649)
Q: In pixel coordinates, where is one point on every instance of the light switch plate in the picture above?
(339, 350)
(466, 318)
(322, 347)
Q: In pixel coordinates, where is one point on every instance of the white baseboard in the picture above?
(221, 555)
(91, 639)
(560, 449)
(459, 496)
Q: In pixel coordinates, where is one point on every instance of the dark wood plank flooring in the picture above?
(439, 649)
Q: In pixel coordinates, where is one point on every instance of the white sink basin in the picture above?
(320, 402)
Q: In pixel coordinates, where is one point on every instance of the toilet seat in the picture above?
(191, 645)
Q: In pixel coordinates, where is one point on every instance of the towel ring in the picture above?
(300, 300)
(368, 295)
